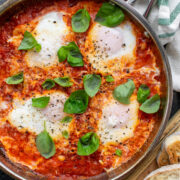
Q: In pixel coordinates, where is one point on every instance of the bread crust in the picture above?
(170, 150)
(172, 147)
(162, 158)
(170, 172)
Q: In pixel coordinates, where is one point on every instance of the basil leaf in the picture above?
(63, 81)
(63, 53)
(65, 134)
(29, 42)
(80, 21)
(109, 15)
(151, 105)
(45, 144)
(72, 53)
(66, 119)
(41, 102)
(16, 79)
(92, 84)
(109, 78)
(88, 144)
(64, 50)
(118, 152)
(48, 84)
(123, 92)
(75, 59)
(143, 93)
(38, 47)
(77, 103)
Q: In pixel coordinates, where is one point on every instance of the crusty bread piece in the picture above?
(170, 172)
(170, 150)
(172, 147)
(162, 158)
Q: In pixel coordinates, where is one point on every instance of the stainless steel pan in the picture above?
(9, 7)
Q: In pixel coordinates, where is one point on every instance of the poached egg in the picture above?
(50, 31)
(28, 118)
(118, 121)
(111, 49)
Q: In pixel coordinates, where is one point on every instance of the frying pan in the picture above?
(9, 7)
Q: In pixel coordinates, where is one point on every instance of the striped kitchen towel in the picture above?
(165, 20)
(168, 19)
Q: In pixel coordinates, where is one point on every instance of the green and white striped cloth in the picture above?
(168, 19)
(165, 20)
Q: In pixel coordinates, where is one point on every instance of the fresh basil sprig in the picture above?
(118, 152)
(64, 51)
(109, 15)
(16, 79)
(77, 103)
(29, 42)
(45, 144)
(88, 144)
(63, 81)
(72, 53)
(80, 21)
(123, 92)
(48, 84)
(66, 119)
(143, 93)
(75, 59)
(151, 105)
(92, 84)
(40, 102)
(65, 134)
(109, 78)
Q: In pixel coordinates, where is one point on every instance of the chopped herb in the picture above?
(143, 93)
(92, 84)
(63, 81)
(65, 134)
(48, 84)
(16, 79)
(151, 105)
(80, 21)
(109, 78)
(29, 42)
(123, 92)
(40, 102)
(88, 144)
(118, 152)
(109, 15)
(72, 53)
(45, 144)
(77, 103)
(66, 119)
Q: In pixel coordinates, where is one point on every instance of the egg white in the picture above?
(25, 117)
(3, 105)
(49, 32)
(118, 121)
(106, 46)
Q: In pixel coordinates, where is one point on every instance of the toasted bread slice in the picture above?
(172, 147)
(162, 158)
(170, 172)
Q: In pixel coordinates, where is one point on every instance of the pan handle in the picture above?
(148, 9)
